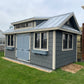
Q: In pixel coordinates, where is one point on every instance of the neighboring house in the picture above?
(2, 40)
(47, 42)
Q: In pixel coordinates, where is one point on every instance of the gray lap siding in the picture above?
(8, 53)
(64, 57)
(45, 61)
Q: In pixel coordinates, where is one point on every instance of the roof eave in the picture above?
(46, 29)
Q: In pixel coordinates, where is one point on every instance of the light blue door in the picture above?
(23, 47)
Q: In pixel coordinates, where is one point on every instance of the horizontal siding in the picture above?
(45, 61)
(8, 53)
(64, 57)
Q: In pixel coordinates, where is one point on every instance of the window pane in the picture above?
(43, 40)
(37, 40)
(0, 41)
(8, 40)
(70, 41)
(30, 24)
(11, 40)
(26, 24)
(65, 37)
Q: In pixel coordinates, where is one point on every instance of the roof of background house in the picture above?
(52, 23)
(1, 34)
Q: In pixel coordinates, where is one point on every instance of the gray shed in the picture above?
(44, 41)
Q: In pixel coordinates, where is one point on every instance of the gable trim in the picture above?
(62, 23)
(72, 14)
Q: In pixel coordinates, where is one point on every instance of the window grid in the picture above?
(68, 42)
(41, 41)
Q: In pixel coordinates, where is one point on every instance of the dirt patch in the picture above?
(73, 68)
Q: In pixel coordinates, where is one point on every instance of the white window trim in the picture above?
(10, 41)
(33, 25)
(40, 42)
(67, 43)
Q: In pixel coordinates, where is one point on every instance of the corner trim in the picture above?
(54, 49)
(76, 48)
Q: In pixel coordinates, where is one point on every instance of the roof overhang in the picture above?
(46, 29)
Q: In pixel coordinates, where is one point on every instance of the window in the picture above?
(67, 41)
(44, 40)
(41, 40)
(37, 40)
(65, 37)
(70, 41)
(26, 24)
(30, 24)
(10, 40)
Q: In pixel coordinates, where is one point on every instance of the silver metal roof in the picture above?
(52, 23)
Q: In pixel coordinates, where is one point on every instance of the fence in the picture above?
(79, 47)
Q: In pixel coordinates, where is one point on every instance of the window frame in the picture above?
(10, 41)
(67, 49)
(40, 42)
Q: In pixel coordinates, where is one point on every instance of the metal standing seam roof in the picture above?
(52, 22)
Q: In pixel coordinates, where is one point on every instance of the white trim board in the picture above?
(54, 51)
(45, 29)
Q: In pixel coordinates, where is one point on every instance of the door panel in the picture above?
(23, 47)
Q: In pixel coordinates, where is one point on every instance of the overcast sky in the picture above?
(15, 10)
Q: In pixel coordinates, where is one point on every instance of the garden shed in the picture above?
(49, 42)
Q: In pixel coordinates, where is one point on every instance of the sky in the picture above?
(15, 10)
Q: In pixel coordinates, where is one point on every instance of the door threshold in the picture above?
(23, 60)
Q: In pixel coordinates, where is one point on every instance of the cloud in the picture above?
(15, 10)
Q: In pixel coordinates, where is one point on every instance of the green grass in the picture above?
(12, 73)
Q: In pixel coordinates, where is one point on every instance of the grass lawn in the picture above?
(12, 73)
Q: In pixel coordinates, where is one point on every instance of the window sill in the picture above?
(40, 52)
(66, 49)
(11, 48)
